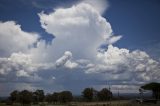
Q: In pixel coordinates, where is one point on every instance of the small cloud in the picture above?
(61, 61)
(113, 39)
(53, 78)
(66, 61)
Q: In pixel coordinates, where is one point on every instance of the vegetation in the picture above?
(90, 97)
(59, 97)
(14, 96)
(25, 97)
(49, 98)
(38, 96)
(88, 94)
(154, 87)
(104, 95)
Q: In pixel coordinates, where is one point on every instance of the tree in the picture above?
(25, 97)
(104, 94)
(55, 97)
(38, 96)
(14, 96)
(154, 87)
(88, 94)
(48, 98)
(65, 96)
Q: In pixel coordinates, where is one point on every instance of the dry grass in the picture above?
(112, 103)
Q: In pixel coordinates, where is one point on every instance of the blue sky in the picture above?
(45, 50)
(138, 21)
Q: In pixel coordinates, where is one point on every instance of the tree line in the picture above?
(88, 94)
(28, 97)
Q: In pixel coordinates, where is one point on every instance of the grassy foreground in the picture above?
(112, 103)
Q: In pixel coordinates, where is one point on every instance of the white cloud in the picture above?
(99, 5)
(136, 64)
(13, 39)
(71, 65)
(113, 39)
(79, 32)
(80, 29)
(17, 62)
(113, 55)
(22, 73)
(65, 60)
(53, 78)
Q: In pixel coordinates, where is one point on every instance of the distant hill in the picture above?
(3, 98)
(131, 95)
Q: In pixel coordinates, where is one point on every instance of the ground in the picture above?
(112, 103)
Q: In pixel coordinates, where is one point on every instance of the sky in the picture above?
(58, 45)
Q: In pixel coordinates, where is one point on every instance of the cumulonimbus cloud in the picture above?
(80, 29)
(79, 33)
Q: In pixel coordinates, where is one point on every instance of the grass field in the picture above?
(112, 103)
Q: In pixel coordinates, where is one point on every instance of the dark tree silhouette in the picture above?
(65, 96)
(38, 96)
(154, 87)
(25, 97)
(55, 97)
(14, 96)
(48, 98)
(88, 94)
(104, 94)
